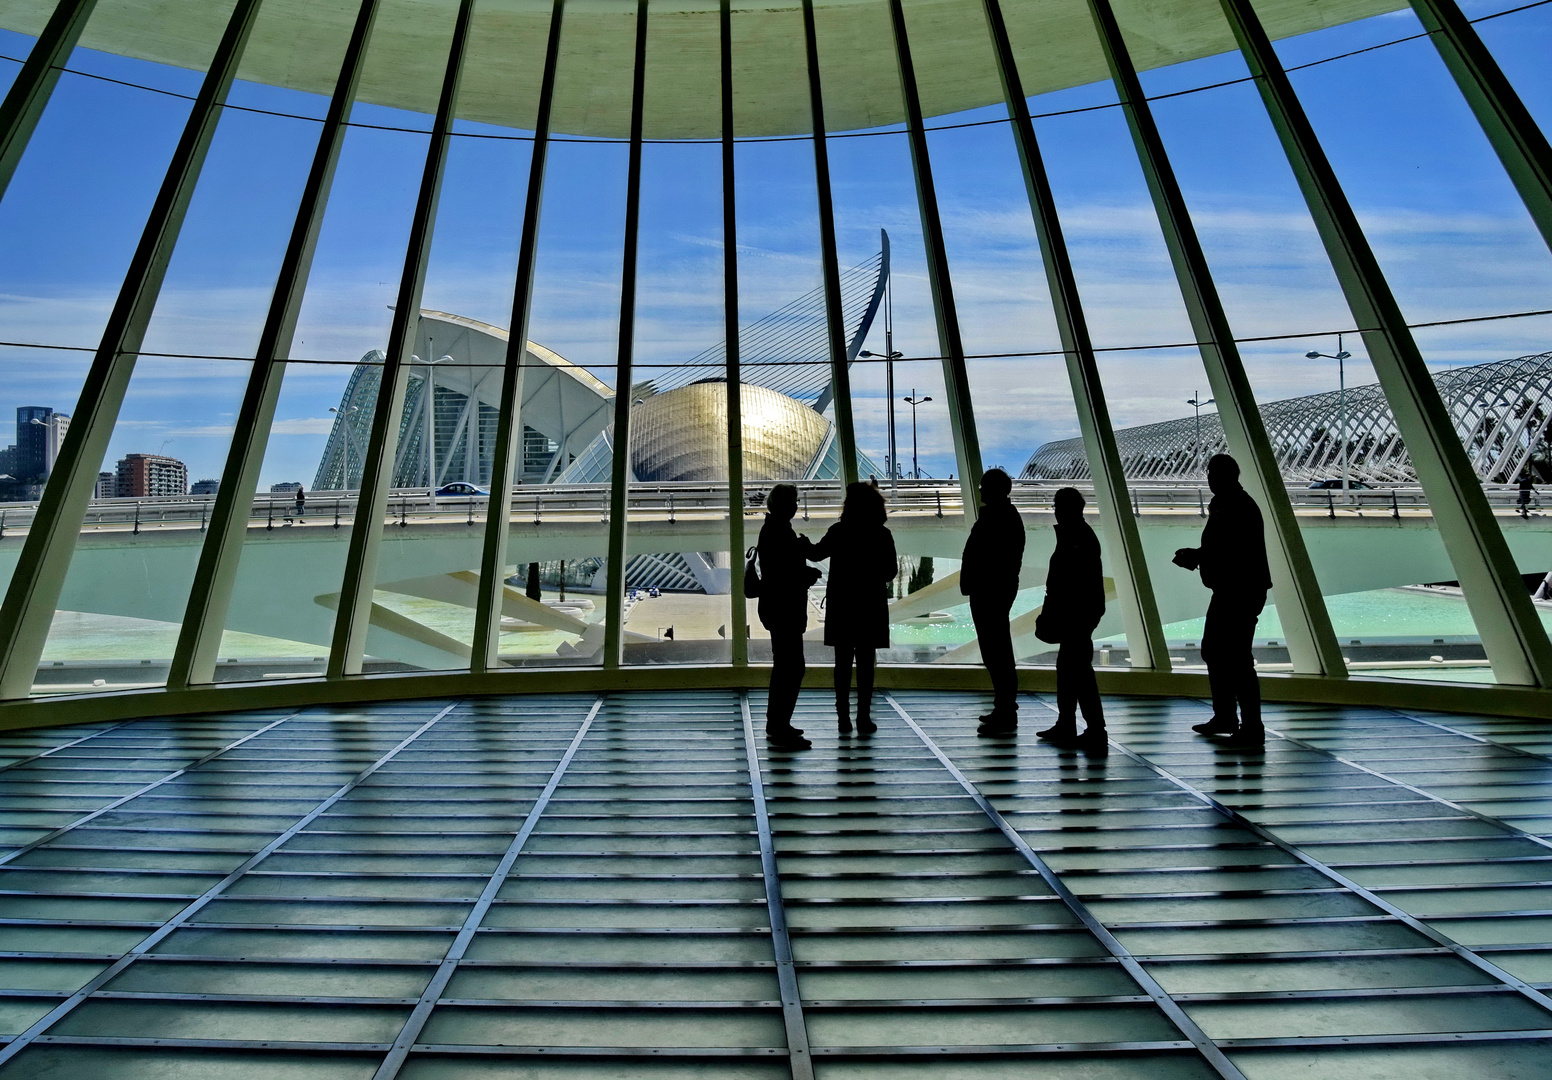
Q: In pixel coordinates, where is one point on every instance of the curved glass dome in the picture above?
(390, 337)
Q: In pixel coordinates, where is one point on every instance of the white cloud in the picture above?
(310, 425)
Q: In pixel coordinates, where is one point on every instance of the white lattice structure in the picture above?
(1501, 412)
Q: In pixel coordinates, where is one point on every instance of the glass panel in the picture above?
(1277, 286)
(559, 542)
(324, 418)
(122, 601)
(429, 575)
(125, 40)
(679, 592)
(14, 49)
(783, 335)
(1518, 40)
(293, 57)
(1455, 242)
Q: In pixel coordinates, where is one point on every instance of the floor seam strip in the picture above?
(1161, 998)
(799, 1055)
(44, 1023)
(1467, 954)
(415, 1024)
(121, 800)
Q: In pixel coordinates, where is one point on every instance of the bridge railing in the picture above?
(816, 498)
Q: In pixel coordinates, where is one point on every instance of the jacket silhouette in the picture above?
(784, 580)
(1075, 581)
(989, 576)
(1074, 604)
(862, 558)
(784, 577)
(994, 552)
(1232, 562)
(862, 563)
(1232, 557)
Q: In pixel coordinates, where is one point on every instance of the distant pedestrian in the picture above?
(1233, 563)
(989, 576)
(862, 557)
(301, 502)
(784, 580)
(1527, 489)
(1074, 604)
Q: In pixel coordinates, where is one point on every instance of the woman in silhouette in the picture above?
(862, 558)
(784, 580)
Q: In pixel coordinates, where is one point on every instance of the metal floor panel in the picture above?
(636, 885)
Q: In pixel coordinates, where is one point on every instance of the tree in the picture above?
(921, 577)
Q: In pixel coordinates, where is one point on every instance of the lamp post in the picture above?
(1341, 396)
(428, 412)
(1196, 402)
(889, 357)
(914, 401)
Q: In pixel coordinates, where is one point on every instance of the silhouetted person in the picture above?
(1232, 560)
(301, 503)
(1527, 489)
(1074, 604)
(862, 557)
(784, 580)
(989, 576)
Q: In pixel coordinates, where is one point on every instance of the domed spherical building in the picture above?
(681, 436)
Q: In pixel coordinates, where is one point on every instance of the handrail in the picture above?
(533, 503)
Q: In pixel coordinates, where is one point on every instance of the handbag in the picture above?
(752, 574)
(1048, 627)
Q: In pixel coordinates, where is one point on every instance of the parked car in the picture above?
(1330, 485)
(458, 487)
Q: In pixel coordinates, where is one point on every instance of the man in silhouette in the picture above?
(989, 576)
(1074, 604)
(1232, 560)
(785, 577)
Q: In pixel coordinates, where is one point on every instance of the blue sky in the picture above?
(1443, 217)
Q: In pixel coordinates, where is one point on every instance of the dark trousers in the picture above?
(1231, 670)
(991, 613)
(864, 658)
(787, 668)
(1076, 687)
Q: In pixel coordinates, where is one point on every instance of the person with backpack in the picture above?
(781, 581)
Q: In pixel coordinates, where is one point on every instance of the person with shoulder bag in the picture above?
(1074, 604)
(781, 582)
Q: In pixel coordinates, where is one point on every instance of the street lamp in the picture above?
(914, 401)
(889, 357)
(1341, 394)
(428, 413)
(1196, 402)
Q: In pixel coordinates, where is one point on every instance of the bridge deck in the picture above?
(576, 886)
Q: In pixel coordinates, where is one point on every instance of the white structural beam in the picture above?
(1500, 605)
(355, 608)
(33, 594)
(204, 620)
